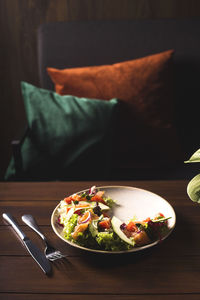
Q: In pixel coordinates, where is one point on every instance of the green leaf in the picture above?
(161, 219)
(194, 158)
(193, 189)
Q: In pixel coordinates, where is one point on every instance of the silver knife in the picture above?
(38, 256)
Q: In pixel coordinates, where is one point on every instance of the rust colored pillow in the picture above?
(145, 134)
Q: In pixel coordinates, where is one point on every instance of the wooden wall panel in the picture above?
(19, 20)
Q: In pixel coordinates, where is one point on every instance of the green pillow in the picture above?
(68, 137)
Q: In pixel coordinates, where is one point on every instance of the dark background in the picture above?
(19, 20)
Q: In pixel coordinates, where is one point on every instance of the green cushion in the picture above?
(68, 137)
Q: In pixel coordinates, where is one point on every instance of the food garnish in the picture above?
(86, 220)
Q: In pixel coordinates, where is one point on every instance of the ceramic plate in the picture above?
(131, 202)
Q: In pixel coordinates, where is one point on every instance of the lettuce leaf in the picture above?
(111, 242)
(69, 226)
(109, 201)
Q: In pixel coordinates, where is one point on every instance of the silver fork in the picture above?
(50, 252)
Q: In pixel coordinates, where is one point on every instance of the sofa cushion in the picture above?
(145, 135)
(68, 137)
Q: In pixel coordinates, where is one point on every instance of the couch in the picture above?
(95, 43)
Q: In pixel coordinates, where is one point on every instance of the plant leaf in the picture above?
(193, 189)
(194, 158)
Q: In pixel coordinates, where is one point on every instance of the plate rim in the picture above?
(134, 249)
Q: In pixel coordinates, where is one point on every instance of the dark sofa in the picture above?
(89, 43)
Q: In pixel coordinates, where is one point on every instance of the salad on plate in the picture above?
(87, 220)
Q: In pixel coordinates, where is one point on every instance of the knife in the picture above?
(38, 256)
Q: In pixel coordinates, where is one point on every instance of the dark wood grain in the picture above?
(184, 228)
(144, 274)
(20, 191)
(169, 270)
(9, 296)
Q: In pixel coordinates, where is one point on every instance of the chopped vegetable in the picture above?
(86, 221)
(105, 223)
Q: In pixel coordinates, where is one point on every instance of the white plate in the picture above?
(131, 202)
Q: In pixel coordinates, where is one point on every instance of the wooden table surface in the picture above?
(170, 270)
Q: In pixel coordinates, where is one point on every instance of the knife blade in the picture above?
(37, 255)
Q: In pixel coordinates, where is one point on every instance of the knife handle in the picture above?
(10, 219)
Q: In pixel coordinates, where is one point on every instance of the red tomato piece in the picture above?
(105, 224)
(68, 200)
(161, 215)
(97, 198)
(131, 226)
(146, 220)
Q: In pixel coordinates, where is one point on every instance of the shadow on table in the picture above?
(167, 248)
(101, 261)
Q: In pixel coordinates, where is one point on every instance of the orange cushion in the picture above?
(145, 134)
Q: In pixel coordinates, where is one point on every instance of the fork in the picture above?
(50, 252)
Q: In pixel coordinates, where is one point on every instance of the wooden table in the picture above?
(170, 270)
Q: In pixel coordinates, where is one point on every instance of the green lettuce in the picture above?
(110, 241)
(86, 239)
(69, 226)
(109, 201)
